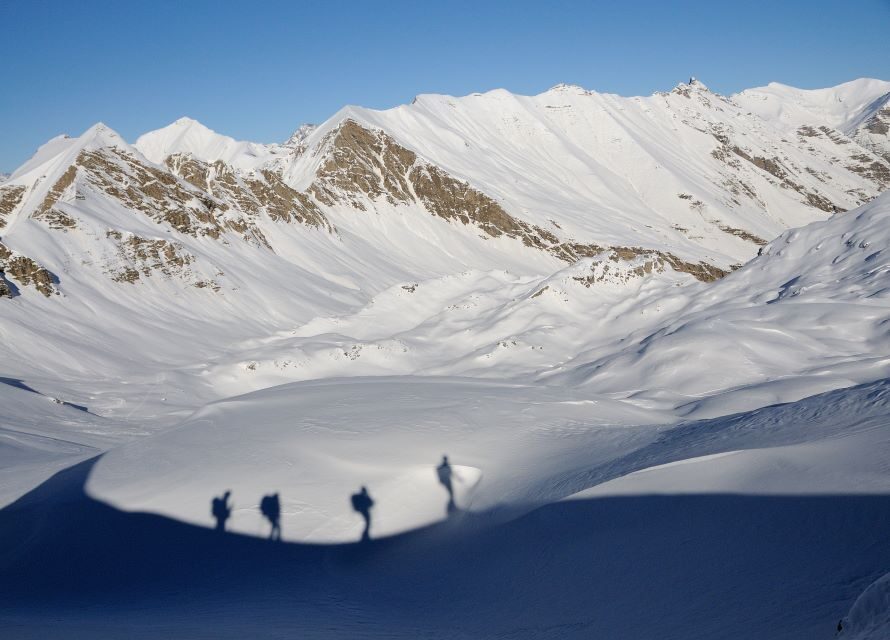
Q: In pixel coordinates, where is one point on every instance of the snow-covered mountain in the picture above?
(646, 330)
(859, 109)
(488, 215)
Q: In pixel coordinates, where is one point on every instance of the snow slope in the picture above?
(395, 289)
(869, 616)
(812, 309)
(614, 169)
(762, 549)
(527, 284)
(190, 136)
(778, 329)
(841, 107)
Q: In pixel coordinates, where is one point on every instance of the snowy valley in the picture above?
(652, 335)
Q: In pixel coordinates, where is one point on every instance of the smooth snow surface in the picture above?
(841, 107)
(191, 137)
(869, 618)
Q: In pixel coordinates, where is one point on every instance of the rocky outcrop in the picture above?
(364, 165)
(252, 195)
(139, 258)
(620, 265)
(741, 233)
(775, 168)
(158, 194)
(6, 287)
(48, 210)
(872, 135)
(879, 123)
(875, 170)
(193, 198)
(10, 198)
(25, 271)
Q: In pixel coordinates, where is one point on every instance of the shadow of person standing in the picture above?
(270, 507)
(221, 510)
(446, 475)
(362, 503)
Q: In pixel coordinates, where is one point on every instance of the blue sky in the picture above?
(257, 70)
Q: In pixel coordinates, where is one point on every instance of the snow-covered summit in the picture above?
(299, 136)
(188, 136)
(837, 107)
(64, 148)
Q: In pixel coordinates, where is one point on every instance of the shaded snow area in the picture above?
(869, 618)
(765, 524)
(644, 393)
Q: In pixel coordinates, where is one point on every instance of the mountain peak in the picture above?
(186, 121)
(563, 87)
(299, 136)
(188, 136)
(694, 84)
(100, 135)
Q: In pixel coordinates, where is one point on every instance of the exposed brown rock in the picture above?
(821, 202)
(248, 197)
(740, 188)
(648, 261)
(25, 271)
(156, 193)
(770, 165)
(724, 154)
(10, 197)
(46, 212)
(775, 168)
(835, 136)
(209, 284)
(741, 233)
(193, 171)
(144, 257)
(368, 164)
(877, 172)
(285, 204)
(698, 270)
(879, 123)
(363, 162)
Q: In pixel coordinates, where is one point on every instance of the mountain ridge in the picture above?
(495, 217)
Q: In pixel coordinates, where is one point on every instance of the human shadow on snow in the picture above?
(622, 567)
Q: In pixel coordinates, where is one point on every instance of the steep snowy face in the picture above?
(873, 128)
(298, 137)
